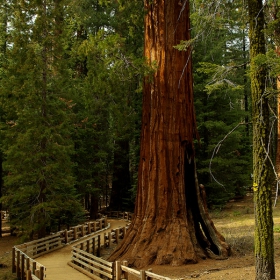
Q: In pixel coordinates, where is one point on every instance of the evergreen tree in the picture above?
(220, 58)
(39, 182)
(109, 69)
(3, 45)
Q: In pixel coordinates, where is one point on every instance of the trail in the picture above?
(56, 261)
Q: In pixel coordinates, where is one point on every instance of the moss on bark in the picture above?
(264, 247)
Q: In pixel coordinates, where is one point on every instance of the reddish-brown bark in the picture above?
(171, 224)
(277, 161)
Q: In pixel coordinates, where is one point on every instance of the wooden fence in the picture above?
(90, 265)
(80, 231)
(123, 272)
(22, 260)
(42, 246)
(25, 267)
(120, 215)
(85, 254)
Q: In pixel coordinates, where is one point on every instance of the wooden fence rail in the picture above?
(42, 246)
(92, 266)
(85, 254)
(120, 215)
(123, 272)
(114, 236)
(90, 245)
(22, 261)
(27, 268)
(80, 231)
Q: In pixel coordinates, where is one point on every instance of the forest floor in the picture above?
(235, 222)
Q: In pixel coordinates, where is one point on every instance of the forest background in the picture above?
(71, 77)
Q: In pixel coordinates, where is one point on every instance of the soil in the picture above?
(235, 222)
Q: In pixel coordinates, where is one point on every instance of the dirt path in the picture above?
(235, 222)
(56, 262)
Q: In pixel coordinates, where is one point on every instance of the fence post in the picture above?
(13, 260)
(83, 230)
(98, 249)
(142, 275)
(42, 274)
(117, 235)
(118, 270)
(93, 246)
(88, 247)
(75, 233)
(22, 266)
(33, 267)
(18, 264)
(28, 275)
(125, 274)
(105, 240)
(110, 239)
(27, 264)
(66, 236)
(94, 226)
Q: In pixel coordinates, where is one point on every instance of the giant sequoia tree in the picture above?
(171, 223)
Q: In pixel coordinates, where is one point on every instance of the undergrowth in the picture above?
(6, 267)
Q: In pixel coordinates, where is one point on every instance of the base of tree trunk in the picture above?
(264, 269)
(185, 238)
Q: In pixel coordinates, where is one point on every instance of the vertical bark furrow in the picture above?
(166, 228)
(264, 249)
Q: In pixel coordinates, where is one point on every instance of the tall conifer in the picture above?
(38, 147)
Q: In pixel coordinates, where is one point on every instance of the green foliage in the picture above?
(39, 181)
(107, 100)
(222, 102)
(276, 228)
(71, 80)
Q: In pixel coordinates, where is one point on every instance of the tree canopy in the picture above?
(71, 83)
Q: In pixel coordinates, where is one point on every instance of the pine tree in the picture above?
(221, 101)
(38, 147)
(108, 73)
(3, 46)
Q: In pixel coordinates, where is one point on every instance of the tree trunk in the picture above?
(1, 184)
(277, 157)
(274, 12)
(264, 243)
(121, 178)
(93, 212)
(171, 224)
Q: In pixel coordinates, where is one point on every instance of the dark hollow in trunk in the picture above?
(171, 224)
